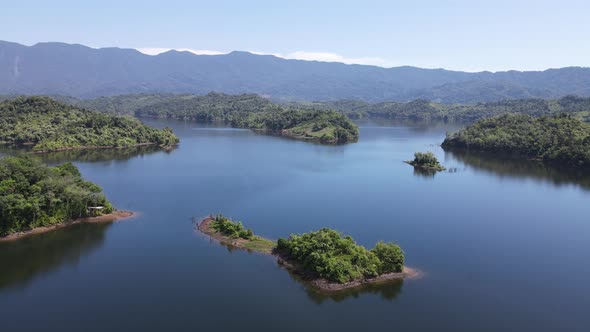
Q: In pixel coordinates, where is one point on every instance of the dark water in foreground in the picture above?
(503, 245)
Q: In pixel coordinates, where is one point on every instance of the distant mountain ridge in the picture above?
(84, 72)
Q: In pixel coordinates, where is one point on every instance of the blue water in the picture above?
(502, 245)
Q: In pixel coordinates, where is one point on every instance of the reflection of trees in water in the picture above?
(31, 257)
(413, 125)
(89, 155)
(424, 172)
(510, 166)
(96, 155)
(387, 290)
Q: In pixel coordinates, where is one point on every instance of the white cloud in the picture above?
(158, 50)
(333, 57)
(298, 55)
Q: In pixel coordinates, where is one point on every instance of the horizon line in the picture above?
(323, 57)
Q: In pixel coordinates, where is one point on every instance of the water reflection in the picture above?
(424, 172)
(89, 155)
(387, 290)
(506, 166)
(26, 259)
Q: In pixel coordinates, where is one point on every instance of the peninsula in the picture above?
(249, 111)
(327, 259)
(562, 140)
(47, 125)
(35, 198)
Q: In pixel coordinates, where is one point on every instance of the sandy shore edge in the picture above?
(322, 284)
(117, 215)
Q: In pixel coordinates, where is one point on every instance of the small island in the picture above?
(327, 259)
(426, 161)
(35, 198)
(561, 140)
(46, 125)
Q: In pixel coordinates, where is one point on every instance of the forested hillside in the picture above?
(241, 111)
(80, 71)
(49, 125)
(427, 110)
(558, 139)
(215, 106)
(33, 195)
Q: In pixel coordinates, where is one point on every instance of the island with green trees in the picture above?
(427, 161)
(561, 140)
(427, 110)
(35, 198)
(327, 259)
(249, 111)
(47, 125)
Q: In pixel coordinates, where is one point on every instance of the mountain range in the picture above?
(85, 72)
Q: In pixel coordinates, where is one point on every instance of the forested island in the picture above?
(326, 258)
(562, 140)
(48, 125)
(241, 111)
(425, 110)
(419, 109)
(33, 195)
(426, 160)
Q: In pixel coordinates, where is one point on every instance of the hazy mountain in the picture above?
(80, 71)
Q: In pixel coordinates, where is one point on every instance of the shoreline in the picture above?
(428, 168)
(319, 283)
(87, 147)
(117, 215)
(102, 147)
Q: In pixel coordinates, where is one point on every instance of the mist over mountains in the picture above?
(84, 72)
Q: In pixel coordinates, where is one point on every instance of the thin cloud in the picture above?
(158, 50)
(333, 57)
(298, 55)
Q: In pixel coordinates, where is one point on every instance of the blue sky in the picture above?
(461, 35)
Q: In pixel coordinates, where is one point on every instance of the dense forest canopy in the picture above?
(426, 110)
(49, 125)
(315, 121)
(194, 106)
(242, 111)
(561, 139)
(33, 194)
(338, 258)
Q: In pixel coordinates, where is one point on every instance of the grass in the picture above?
(306, 131)
(259, 244)
(235, 228)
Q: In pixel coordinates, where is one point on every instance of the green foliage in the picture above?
(421, 109)
(230, 228)
(560, 139)
(49, 125)
(337, 258)
(241, 111)
(220, 107)
(426, 159)
(390, 255)
(33, 195)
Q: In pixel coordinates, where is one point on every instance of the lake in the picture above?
(503, 245)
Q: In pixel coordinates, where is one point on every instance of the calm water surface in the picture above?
(503, 245)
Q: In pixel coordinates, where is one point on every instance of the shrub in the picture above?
(391, 257)
(337, 258)
(230, 228)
